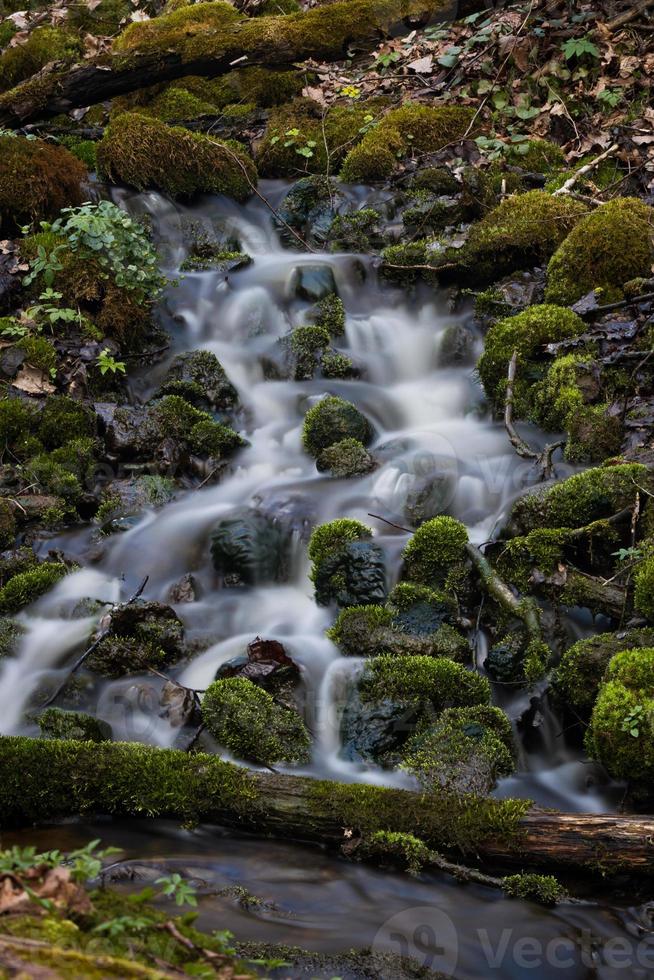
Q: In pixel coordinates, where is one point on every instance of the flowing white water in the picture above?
(429, 424)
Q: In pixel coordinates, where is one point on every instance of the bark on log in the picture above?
(324, 32)
(45, 780)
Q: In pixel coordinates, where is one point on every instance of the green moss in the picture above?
(328, 540)
(593, 434)
(644, 588)
(329, 313)
(53, 478)
(309, 339)
(527, 333)
(143, 152)
(581, 499)
(303, 136)
(621, 732)
(359, 623)
(37, 179)
(57, 723)
(537, 156)
(331, 420)
(84, 150)
(465, 750)
(374, 630)
(543, 889)
(347, 458)
(27, 587)
(558, 395)
(119, 656)
(213, 439)
(356, 231)
(7, 523)
(406, 848)
(337, 365)
(42, 45)
(423, 680)
(64, 419)
(39, 353)
(175, 104)
(412, 127)
(578, 677)
(438, 180)
(247, 721)
(608, 247)
(433, 549)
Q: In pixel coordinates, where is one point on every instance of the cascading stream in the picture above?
(429, 420)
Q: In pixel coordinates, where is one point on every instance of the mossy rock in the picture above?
(578, 677)
(37, 180)
(347, 567)
(62, 420)
(26, 587)
(144, 635)
(593, 434)
(329, 540)
(330, 421)
(356, 231)
(329, 314)
(10, 634)
(526, 333)
(465, 751)
(200, 377)
(430, 681)
(411, 128)
(434, 548)
(57, 723)
(145, 153)
(247, 721)
(303, 137)
(644, 588)
(610, 246)
(536, 155)
(41, 46)
(593, 495)
(621, 732)
(347, 458)
(369, 631)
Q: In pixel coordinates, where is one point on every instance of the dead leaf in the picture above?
(33, 382)
(422, 66)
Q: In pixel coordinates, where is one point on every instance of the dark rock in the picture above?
(179, 704)
(266, 664)
(309, 208)
(372, 730)
(356, 576)
(199, 377)
(251, 549)
(183, 591)
(313, 282)
(11, 360)
(457, 345)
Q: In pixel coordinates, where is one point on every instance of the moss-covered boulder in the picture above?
(428, 681)
(28, 586)
(346, 458)
(578, 677)
(590, 496)
(347, 567)
(58, 723)
(37, 179)
(369, 631)
(143, 635)
(526, 333)
(621, 732)
(644, 588)
(411, 128)
(330, 421)
(465, 751)
(143, 152)
(247, 721)
(199, 377)
(434, 548)
(610, 246)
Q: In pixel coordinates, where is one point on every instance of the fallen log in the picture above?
(46, 780)
(168, 49)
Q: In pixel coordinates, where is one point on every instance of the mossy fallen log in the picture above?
(208, 39)
(45, 780)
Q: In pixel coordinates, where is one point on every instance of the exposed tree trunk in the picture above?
(324, 32)
(125, 779)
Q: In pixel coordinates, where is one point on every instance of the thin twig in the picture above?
(398, 526)
(586, 169)
(523, 449)
(96, 643)
(628, 15)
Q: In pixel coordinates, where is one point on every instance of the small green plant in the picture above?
(175, 887)
(577, 47)
(633, 721)
(107, 364)
(627, 554)
(351, 91)
(45, 264)
(48, 311)
(123, 925)
(385, 61)
(295, 139)
(85, 863)
(610, 98)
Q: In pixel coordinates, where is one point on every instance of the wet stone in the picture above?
(313, 282)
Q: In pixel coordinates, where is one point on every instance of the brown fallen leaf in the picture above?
(33, 382)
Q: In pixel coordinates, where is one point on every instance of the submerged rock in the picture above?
(57, 723)
(251, 549)
(313, 282)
